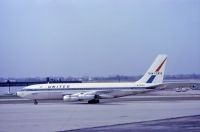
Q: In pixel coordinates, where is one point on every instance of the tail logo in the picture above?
(160, 66)
(153, 74)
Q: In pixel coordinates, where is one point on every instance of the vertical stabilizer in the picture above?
(155, 73)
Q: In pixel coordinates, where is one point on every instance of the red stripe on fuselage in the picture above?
(158, 69)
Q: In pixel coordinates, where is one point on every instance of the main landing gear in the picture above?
(93, 101)
(35, 102)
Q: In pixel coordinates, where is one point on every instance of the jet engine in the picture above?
(105, 96)
(78, 97)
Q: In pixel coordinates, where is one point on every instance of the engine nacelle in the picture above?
(105, 96)
(78, 97)
(70, 98)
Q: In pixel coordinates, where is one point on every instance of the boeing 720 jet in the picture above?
(93, 92)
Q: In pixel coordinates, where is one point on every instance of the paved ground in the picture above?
(59, 116)
(13, 99)
(181, 124)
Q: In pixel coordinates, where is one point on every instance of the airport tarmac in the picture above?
(63, 116)
(179, 124)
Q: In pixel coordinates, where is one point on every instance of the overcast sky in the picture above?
(97, 37)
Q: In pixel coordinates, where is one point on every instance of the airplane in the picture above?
(93, 92)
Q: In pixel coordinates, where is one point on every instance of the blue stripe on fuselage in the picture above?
(150, 80)
(75, 89)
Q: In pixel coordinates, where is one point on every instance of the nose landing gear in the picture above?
(35, 102)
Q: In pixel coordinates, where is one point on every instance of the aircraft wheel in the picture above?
(94, 101)
(35, 102)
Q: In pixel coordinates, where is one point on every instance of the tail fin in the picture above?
(155, 73)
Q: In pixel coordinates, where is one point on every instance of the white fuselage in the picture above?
(58, 90)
